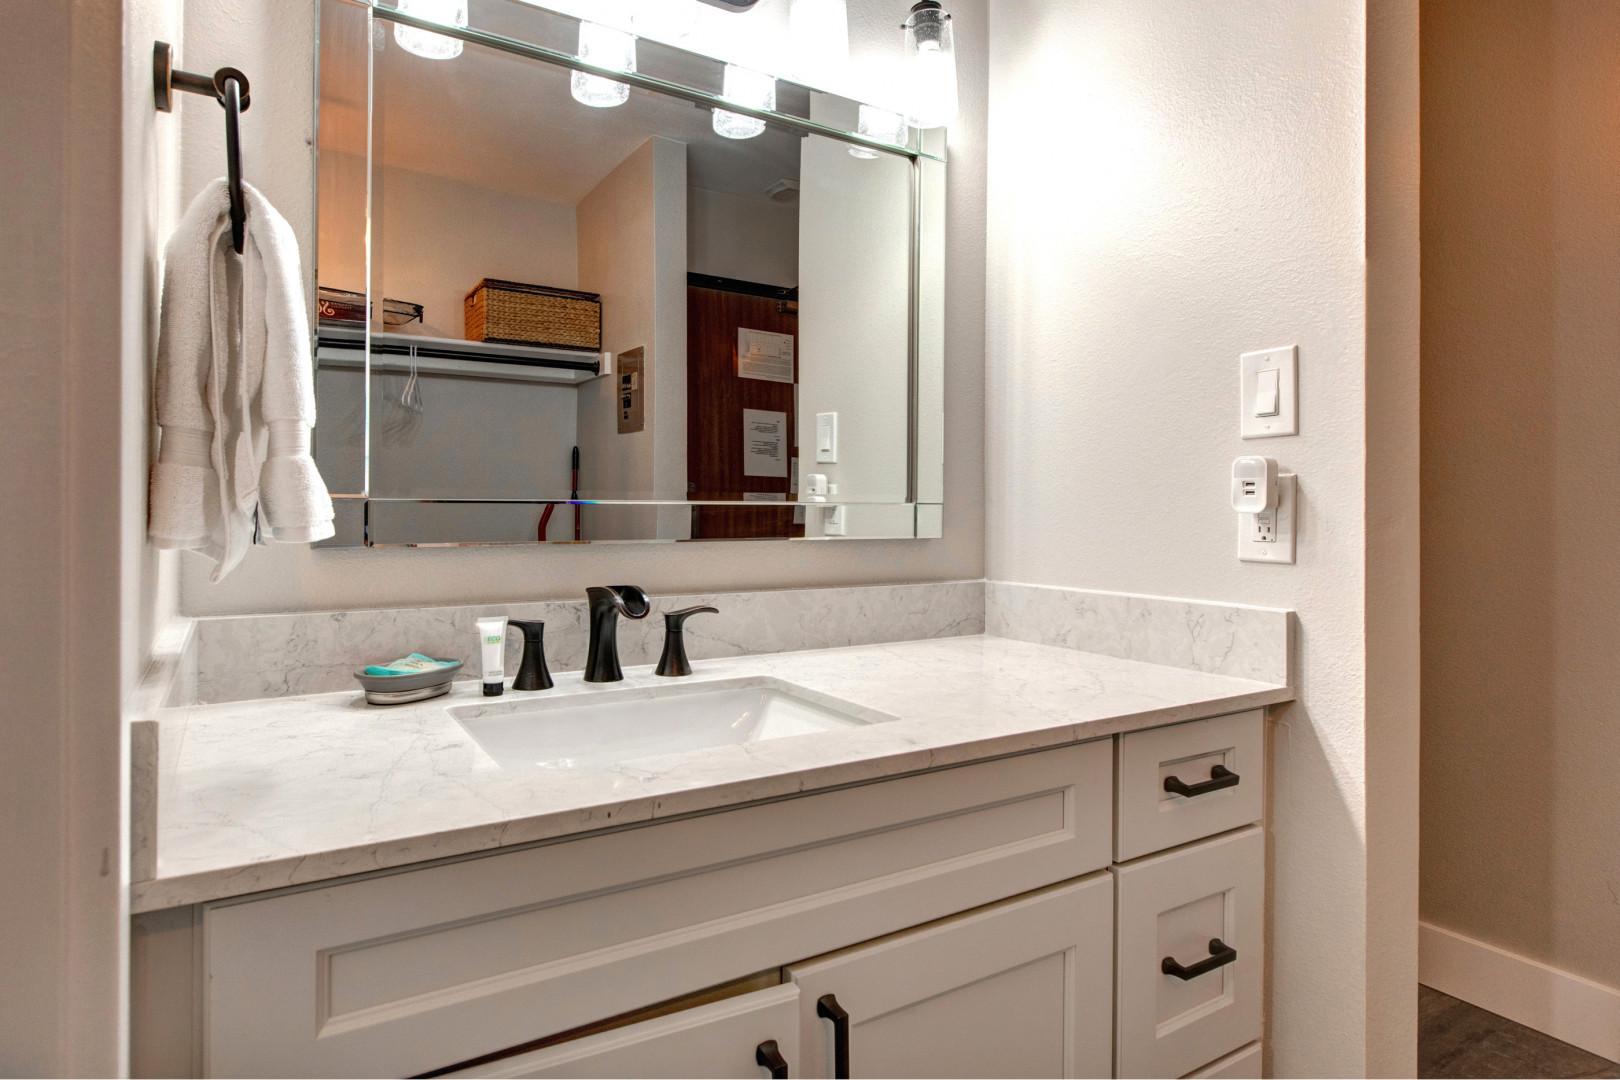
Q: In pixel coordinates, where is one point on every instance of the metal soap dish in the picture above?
(403, 689)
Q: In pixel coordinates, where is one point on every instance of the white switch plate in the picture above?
(832, 521)
(1269, 536)
(827, 437)
(1285, 362)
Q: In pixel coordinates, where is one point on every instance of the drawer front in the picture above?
(1021, 988)
(1191, 907)
(724, 1039)
(1205, 756)
(411, 972)
(1241, 1064)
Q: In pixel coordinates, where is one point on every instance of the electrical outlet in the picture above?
(1265, 527)
(1269, 535)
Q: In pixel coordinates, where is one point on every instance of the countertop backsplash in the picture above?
(240, 657)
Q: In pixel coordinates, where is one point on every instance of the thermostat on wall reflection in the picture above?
(827, 437)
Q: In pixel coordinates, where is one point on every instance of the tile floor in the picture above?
(1456, 1039)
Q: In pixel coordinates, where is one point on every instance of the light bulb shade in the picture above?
(753, 89)
(608, 48)
(931, 60)
(426, 43)
(880, 125)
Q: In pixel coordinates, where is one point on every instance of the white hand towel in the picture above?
(234, 388)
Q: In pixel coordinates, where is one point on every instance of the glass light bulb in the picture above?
(880, 125)
(931, 59)
(744, 87)
(425, 43)
(604, 47)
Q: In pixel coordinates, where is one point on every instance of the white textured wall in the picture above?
(1172, 184)
(88, 181)
(271, 40)
(1521, 466)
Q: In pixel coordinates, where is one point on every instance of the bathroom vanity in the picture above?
(976, 856)
(971, 855)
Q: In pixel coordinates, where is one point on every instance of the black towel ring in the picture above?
(229, 87)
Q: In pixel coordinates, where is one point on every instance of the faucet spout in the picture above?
(607, 603)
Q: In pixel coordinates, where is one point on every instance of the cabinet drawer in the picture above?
(1193, 906)
(1220, 761)
(722, 1039)
(1021, 988)
(1241, 1064)
(412, 972)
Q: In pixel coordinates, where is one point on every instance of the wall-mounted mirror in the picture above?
(556, 306)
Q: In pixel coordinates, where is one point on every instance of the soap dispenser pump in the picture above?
(532, 672)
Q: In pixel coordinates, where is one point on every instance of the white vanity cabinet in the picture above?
(962, 919)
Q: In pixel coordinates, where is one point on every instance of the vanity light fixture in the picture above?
(668, 21)
(819, 30)
(931, 60)
(744, 86)
(881, 125)
(425, 43)
(606, 47)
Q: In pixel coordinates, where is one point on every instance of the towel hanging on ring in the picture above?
(234, 388)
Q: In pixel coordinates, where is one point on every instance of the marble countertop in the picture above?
(257, 795)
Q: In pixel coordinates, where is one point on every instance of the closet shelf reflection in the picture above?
(342, 347)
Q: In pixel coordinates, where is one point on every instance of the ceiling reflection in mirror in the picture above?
(546, 318)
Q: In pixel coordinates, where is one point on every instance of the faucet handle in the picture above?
(673, 663)
(532, 672)
(676, 620)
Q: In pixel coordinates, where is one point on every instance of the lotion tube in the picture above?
(492, 644)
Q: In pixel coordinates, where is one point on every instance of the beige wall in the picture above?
(1172, 184)
(632, 250)
(1521, 470)
(747, 237)
(271, 40)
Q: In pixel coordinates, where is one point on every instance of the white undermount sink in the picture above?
(608, 727)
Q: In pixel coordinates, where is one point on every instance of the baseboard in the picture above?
(1568, 1007)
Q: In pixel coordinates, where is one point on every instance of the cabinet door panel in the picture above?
(1177, 906)
(1020, 988)
(717, 1040)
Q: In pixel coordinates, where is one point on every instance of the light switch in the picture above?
(1268, 399)
(827, 437)
(1265, 392)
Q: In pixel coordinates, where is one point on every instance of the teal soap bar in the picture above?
(413, 664)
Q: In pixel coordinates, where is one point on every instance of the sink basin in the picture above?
(609, 727)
